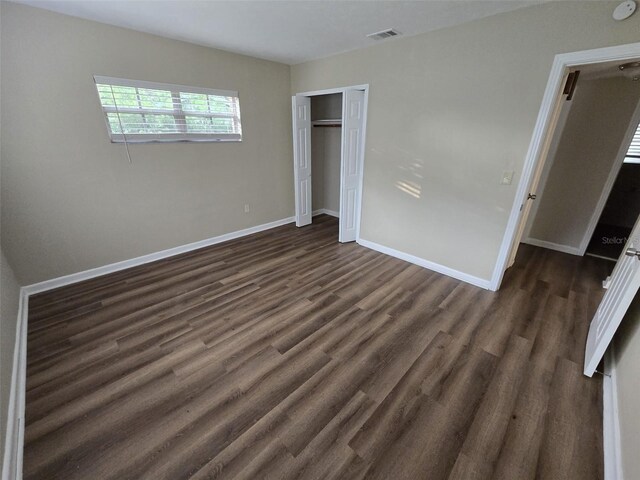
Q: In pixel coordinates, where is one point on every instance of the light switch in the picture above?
(506, 178)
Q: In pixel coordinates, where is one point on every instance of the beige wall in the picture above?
(627, 342)
(70, 199)
(9, 299)
(449, 111)
(600, 115)
(325, 107)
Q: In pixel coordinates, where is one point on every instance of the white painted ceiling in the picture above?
(291, 32)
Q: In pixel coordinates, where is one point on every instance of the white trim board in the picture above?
(611, 421)
(14, 439)
(552, 95)
(152, 257)
(325, 211)
(552, 246)
(614, 260)
(329, 91)
(450, 272)
(365, 114)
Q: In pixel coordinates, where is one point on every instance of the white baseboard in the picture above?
(325, 211)
(611, 421)
(553, 246)
(614, 260)
(152, 257)
(14, 439)
(450, 272)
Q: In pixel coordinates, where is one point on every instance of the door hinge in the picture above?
(570, 85)
(632, 252)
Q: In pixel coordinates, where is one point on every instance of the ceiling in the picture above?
(291, 32)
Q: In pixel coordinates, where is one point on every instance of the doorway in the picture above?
(546, 123)
(606, 126)
(587, 153)
(329, 129)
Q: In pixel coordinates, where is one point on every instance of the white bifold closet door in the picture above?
(302, 158)
(352, 145)
(622, 288)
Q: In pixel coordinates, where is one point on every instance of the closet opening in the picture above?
(326, 153)
(329, 129)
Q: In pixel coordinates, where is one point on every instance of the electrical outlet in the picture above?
(507, 177)
(247, 209)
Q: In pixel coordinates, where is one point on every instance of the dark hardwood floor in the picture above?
(287, 355)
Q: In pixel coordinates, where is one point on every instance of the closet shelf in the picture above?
(331, 122)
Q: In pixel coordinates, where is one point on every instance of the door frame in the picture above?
(343, 90)
(542, 134)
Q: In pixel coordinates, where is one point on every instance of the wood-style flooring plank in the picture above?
(287, 355)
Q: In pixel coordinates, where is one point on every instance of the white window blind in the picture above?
(633, 154)
(160, 112)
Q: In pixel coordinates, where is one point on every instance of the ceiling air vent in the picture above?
(384, 34)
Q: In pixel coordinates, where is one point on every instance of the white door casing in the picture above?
(623, 286)
(301, 107)
(353, 110)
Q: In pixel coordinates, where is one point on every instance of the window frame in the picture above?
(177, 113)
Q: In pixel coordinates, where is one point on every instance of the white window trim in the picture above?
(166, 137)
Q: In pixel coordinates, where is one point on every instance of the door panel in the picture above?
(558, 119)
(302, 158)
(623, 286)
(352, 157)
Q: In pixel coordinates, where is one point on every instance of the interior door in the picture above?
(546, 152)
(623, 286)
(352, 158)
(302, 158)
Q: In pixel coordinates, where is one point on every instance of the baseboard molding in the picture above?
(611, 421)
(450, 272)
(14, 439)
(614, 260)
(152, 257)
(325, 211)
(553, 246)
